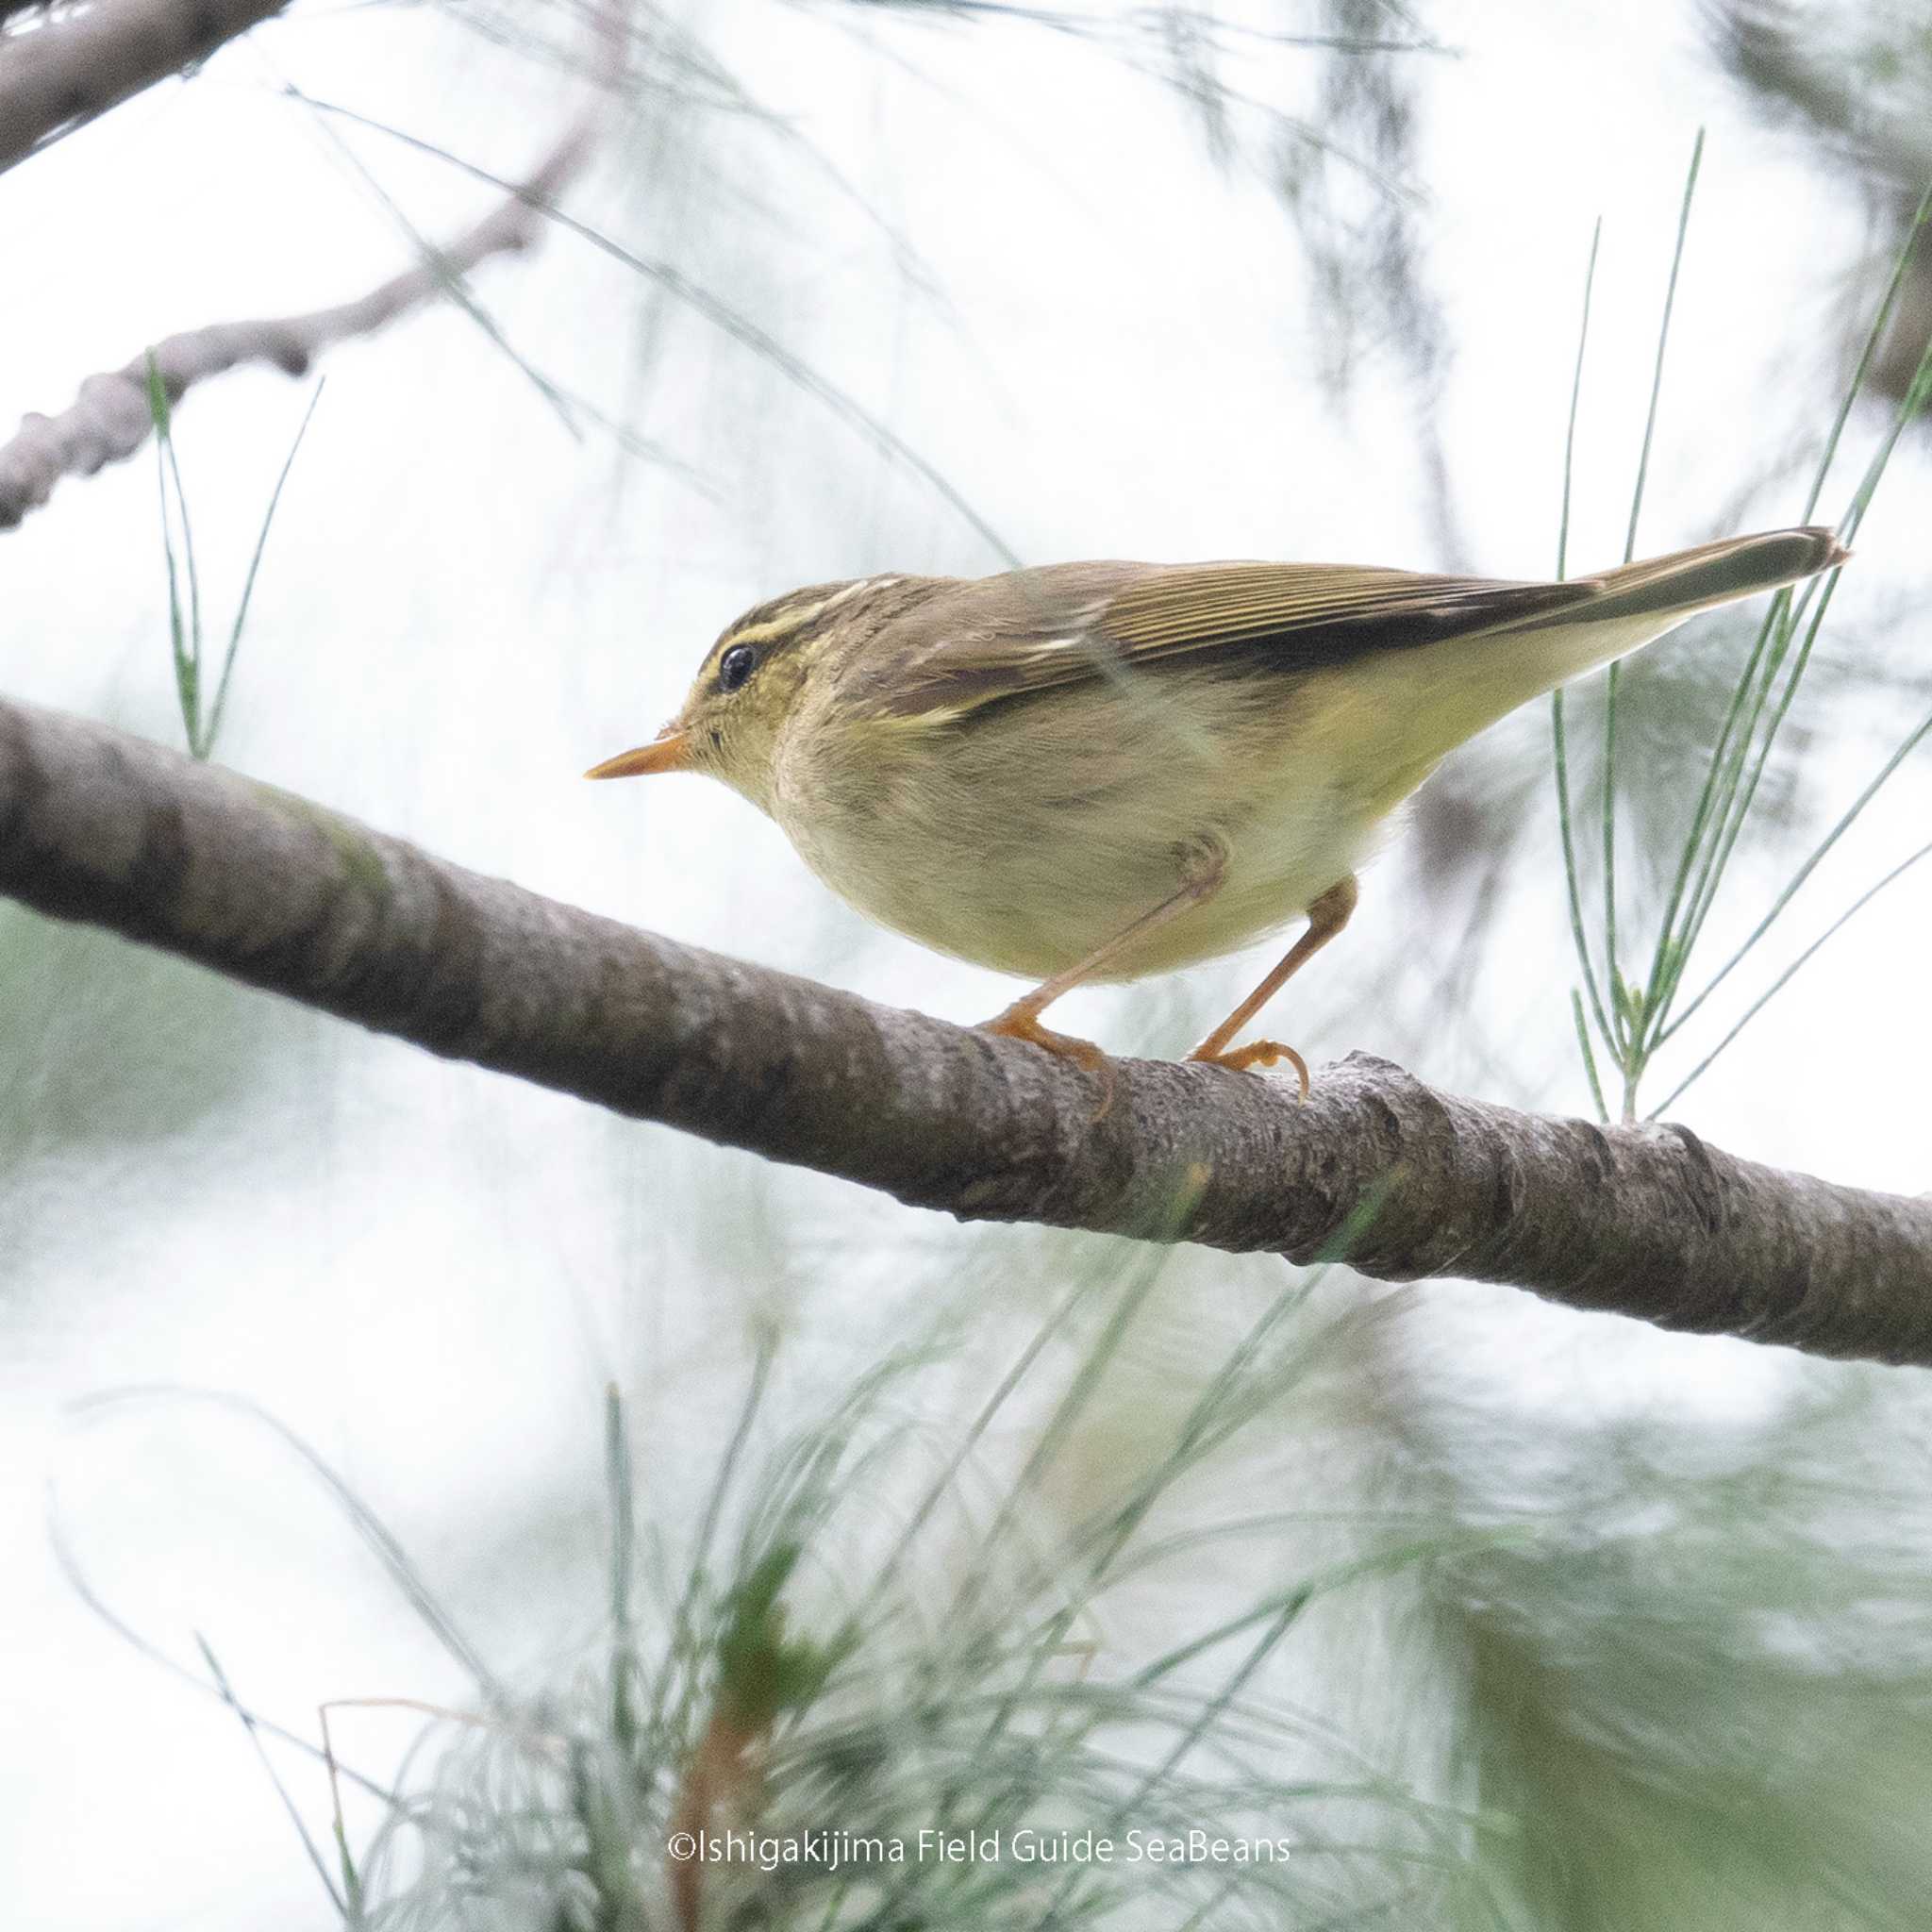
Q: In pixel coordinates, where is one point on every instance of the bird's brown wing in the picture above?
(1010, 637)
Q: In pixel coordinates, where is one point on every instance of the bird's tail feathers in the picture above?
(1687, 581)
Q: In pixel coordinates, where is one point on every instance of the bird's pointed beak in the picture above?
(670, 751)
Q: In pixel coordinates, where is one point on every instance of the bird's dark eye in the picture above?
(735, 666)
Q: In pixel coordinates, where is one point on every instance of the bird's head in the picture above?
(751, 682)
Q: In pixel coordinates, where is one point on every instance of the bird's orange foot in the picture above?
(1257, 1053)
(1017, 1024)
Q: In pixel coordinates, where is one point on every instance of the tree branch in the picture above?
(69, 71)
(267, 887)
(111, 417)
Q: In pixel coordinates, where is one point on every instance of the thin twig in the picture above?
(110, 417)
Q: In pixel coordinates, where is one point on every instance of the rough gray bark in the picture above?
(257, 883)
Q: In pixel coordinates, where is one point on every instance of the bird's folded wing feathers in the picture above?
(1096, 621)
(1326, 613)
(1068, 623)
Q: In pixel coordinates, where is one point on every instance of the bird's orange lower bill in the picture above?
(670, 751)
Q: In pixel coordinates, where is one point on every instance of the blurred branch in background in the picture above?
(70, 67)
(271, 888)
(113, 414)
(1354, 210)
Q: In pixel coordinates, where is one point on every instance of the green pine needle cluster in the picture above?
(1633, 1017)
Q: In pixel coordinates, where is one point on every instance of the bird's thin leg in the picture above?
(1327, 917)
(1021, 1021)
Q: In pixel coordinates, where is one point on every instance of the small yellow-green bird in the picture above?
(1101, 770)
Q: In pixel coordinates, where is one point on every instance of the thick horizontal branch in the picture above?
(266, 887)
